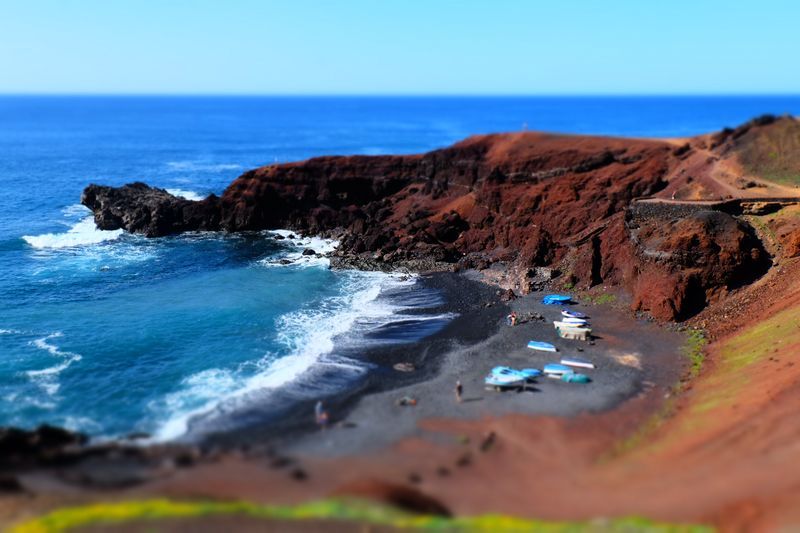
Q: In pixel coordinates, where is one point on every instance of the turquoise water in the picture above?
(110, 333)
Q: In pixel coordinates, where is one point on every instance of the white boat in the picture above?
(577, 361)
(573, 314)
(576, 321)
(573, 331)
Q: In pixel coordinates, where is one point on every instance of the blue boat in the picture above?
(575, 378)
(541, 346)
(556, 370)
(556, 299)
(531, 373)
(506, 377)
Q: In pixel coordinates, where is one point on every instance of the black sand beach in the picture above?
(631, 356)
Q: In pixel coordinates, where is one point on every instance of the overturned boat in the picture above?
(542, 346)
(577, 362)
(556, 370)
(506, 377)
(575, 378)
(556, 299)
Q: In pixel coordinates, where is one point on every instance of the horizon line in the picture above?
(402, 95)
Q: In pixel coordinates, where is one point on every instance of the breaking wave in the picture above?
(310, 337)
(82, 233)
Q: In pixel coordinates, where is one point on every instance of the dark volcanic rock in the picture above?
(139, 208)
(19, 446)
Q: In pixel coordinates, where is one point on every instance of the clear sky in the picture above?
(400, 46)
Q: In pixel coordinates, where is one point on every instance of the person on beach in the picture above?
(459, 391)
(512, 318)
(321, 415)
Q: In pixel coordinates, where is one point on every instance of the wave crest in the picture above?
(82, 233)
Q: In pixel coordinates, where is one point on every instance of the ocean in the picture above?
(112, 334)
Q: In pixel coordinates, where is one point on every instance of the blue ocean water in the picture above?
(110, 333)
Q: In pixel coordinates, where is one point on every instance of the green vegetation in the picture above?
(693, 350)
(597, 298)
(69, 518)
(777, 336)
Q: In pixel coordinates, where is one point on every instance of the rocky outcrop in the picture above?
(139, 208)
(686, 263)
(526, 200)
(41, 445)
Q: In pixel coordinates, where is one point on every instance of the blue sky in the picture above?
(399, 47)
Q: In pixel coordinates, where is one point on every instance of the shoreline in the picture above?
(365, 418)
(631, 362)
(466, 298)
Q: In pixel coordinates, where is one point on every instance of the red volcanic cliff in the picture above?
(524, 200)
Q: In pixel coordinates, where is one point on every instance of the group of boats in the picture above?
(504, 377)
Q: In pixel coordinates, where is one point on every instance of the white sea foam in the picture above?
(206, 388)
(47, 378)
(188, 195)
(308, 336)
(322, 247)
(82, 233)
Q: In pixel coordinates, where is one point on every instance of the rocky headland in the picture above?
(534, 207)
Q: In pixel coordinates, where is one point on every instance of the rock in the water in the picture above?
(153, 212)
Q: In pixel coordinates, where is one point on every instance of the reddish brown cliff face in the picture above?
(504, 197)
(521, 199)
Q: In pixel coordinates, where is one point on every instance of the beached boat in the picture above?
(556, 370)
(503, 376)
(577, 362)
(531, 373)
(576, 321)
(556, 299)
(573, 331)
(569, 313)
(542, 346)
(575, 378)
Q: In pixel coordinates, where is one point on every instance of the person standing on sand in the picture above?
(459, 391)
(321, 415)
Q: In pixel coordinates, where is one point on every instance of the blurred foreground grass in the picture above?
(153, 512)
